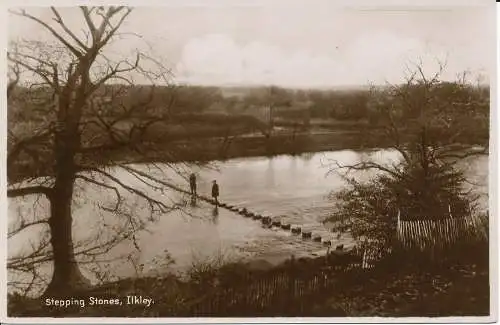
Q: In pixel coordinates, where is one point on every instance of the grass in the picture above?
(396, 288)
(416, 292)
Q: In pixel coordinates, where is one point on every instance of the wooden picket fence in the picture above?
(427, 234)
(277, 292)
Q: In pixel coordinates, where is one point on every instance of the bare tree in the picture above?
(431, 124)
(276, 97)
(93, 114)
(427, 120)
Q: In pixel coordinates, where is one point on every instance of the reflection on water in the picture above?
(215, 215)
(193, 201)
(292, 189)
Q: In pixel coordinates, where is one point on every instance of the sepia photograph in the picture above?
(244, 159)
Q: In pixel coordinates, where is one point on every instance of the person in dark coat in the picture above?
(192, 183)
(215, 192)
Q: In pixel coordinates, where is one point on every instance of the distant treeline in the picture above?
(292, 104)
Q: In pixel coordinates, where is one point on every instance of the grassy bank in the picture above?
(210, 149)
(452, 291)
(319, 287)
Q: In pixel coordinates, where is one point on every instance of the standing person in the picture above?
(192, 183)
(215, 192)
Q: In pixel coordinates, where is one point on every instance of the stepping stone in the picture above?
(285, 226)
(276, 223)
(306, 234)
(317, 239)
(327, 243)
(296, 230)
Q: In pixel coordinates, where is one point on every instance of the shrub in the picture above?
(369, 210)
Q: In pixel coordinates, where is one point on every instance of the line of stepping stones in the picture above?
(269, 222)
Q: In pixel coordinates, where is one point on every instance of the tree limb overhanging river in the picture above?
(293, 189)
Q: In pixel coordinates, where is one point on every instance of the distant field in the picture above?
(329, 123)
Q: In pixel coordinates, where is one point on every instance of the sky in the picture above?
(300, 43)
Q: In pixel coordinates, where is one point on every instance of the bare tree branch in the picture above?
(86, 14)
(44, 74)
(111, 12)
(114, 71)
(29, 190)
(24, 225)
(117, 193)
(60, 21)
(61, 39)
(152, 202)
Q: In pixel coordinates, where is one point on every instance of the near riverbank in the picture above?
(306, 288)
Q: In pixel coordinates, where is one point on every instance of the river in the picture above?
(293, 189)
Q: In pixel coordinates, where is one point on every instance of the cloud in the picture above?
(372, 57)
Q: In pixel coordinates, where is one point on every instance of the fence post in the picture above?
(399, 230)
(291, 285)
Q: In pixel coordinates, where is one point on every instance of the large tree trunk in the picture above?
(67, 277)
